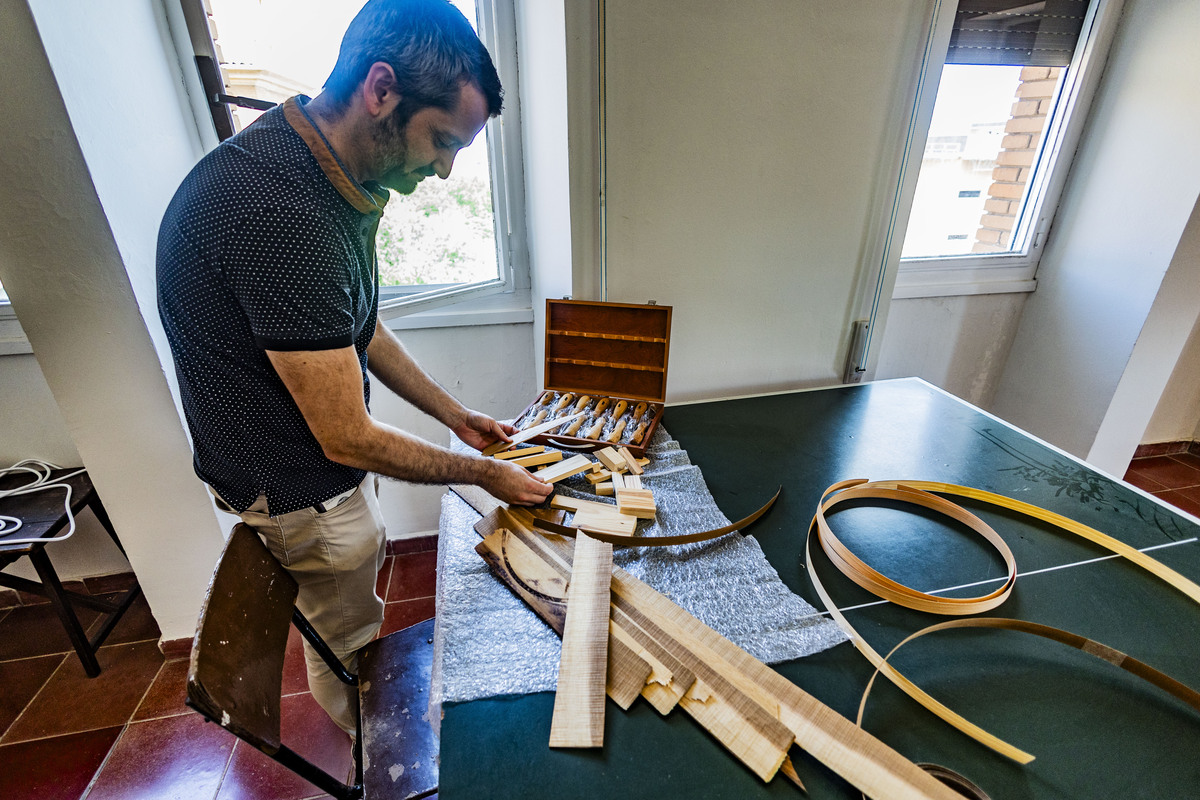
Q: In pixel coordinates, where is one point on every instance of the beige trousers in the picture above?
(335, 557)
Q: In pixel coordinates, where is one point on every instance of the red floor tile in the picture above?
(19, 681)
(105, 584)
(414, 544)
(36, 631)
(137, 623)
(1191, 459)
(1187, 500)
(398, 616)
(384, 578)
(295, 671)
(166, 694)
(59, 768)
(413, 575)
(173, 758)
(1142, 482)
(1167, 470)
(71, 702)
(307, 730)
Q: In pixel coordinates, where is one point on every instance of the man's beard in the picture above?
(390, 150)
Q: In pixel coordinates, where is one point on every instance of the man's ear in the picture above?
(380, 95)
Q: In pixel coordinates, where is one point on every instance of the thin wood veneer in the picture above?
(578, 719)
(751, 709)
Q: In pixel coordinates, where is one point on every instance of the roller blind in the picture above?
(1008, 32)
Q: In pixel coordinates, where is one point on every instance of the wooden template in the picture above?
(525, 434)
(565, 469)
(578, 719)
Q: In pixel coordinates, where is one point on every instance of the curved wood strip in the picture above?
(1115, 657)
(660, 541)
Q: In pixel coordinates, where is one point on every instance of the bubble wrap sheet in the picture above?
(488, 643)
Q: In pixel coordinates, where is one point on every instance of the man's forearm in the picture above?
(388, 451)
(390, 362)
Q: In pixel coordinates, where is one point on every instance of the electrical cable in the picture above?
(41, 472)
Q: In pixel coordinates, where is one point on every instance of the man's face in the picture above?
(429, 142)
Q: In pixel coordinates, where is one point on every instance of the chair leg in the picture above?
(62, 606)
(317, 776)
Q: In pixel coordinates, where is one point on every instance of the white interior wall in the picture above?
(541, 43)
(957, 343)
(743, 154)
(489, 368)
(1134, 183)
(1177, 416)
(1155, 357)
(91, 131)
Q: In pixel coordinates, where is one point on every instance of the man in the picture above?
(268, 291)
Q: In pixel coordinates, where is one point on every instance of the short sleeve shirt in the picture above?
(269, 244)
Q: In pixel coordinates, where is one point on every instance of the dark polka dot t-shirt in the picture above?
(269, 244)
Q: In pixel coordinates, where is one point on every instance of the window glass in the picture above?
(440, 238)
(984, 140)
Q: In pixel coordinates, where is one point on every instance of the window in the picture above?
(1012, 80)
(449, 240)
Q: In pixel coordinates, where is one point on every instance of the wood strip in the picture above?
(477, 498)
(578, 719)
(565, 469)
(629, 457)
(575, 504)
(860, 758)
(1113, 656)
(525, 434)
(911, 488)
(537, 459)
(524, 451)
(659, 541)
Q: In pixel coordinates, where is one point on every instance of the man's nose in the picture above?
(443, 165)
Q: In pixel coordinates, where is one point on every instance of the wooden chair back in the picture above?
(236, 672)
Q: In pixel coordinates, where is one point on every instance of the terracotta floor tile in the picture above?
(413, 575)
(384, 578)
(36, 631)
(59, 768)
(137, 623)
(104, 584)
(9, 599)
(189, 760)
(1191, 459)
(19, 681)
(1187, 500)
(398, 616)
(166, 694)
(71, 702)
(413, 544)
(307, 730)
(1142, 482)
(1167, 470)
(295, 672)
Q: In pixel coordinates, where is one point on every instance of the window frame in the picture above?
(940, 276)
(496, 24)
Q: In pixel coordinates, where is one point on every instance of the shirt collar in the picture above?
(369, 199)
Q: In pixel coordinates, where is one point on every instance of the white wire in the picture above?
(40, 470)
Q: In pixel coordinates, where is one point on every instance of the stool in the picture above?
(42, 515)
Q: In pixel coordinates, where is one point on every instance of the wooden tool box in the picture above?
(612, 352)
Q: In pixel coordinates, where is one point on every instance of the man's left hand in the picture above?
(480, 430)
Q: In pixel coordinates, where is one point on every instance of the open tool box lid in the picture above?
(607, 349)
(604, 350)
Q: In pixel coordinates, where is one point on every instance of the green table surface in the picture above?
(1096, 731)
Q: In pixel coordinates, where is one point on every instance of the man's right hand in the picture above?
(515, 485)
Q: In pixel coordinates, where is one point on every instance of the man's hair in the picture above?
(430, 47)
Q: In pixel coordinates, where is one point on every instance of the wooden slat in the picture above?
(537, 459)
(565, 469)
(526, 434)
(578, 719)
(524, 451)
